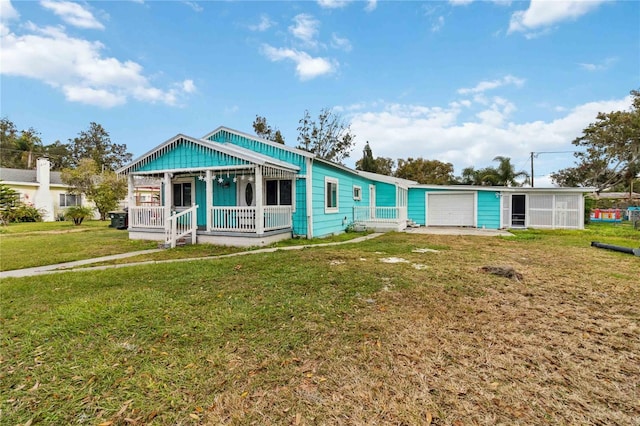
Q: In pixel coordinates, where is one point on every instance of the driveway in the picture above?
(452, 230)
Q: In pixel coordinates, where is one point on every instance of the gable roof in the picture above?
(224, 148)
(27, 176)
(502, 188)
(388, 179)
(261, 140)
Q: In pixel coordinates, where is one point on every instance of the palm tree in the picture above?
(505, 174)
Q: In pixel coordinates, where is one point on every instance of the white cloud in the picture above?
(544, 13)
(188, 86)
(264, 24)
(305, 28)
(73, 14)
(307, 67)
(340, 43)
(193, 5)
(437, 24)
(7, 11)
(402, 131)
(460, 2)
(604, 65)
(483, 86)
(88, 95)
(332, 4)
(371, 5)
(78, 68)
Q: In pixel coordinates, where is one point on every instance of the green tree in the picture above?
(505, 174)
(329, 137)
(9, 200)
(96, 144)
(18, 150)
(59, 155)
(486, 176)
(367, 163)
(265, 131)
(29, 145)
(610, 152)
(385, 166)
(425, 171)
(8, 137)
(104, 188)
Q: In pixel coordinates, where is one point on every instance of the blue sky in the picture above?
(460, 81)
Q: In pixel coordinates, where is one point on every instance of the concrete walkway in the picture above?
(65, 267)
(448, 230)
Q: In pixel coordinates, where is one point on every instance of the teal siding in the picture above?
(489, 209)
(187, 154)
(416, 204)
(300, 214)
(385, 194)
(201, 201)
(332, 223)
(270, 150)
(224, 196)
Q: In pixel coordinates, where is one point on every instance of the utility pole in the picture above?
(532, 153)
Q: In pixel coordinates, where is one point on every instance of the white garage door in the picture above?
(448, 209)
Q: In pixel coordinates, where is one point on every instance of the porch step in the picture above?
(179, 242)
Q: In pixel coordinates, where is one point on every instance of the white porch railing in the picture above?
(379, 214)
(243, 219)
(180, 225)
(277, 217)
(146, 217)
(234, 219)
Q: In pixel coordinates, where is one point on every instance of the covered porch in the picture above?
(238, 200)
(381, 218)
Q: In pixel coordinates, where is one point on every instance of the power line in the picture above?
(535, 154)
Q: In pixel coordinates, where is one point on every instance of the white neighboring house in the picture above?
(43, 189)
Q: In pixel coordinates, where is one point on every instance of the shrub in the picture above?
(14, 210)
(26, 213)
(78, 214)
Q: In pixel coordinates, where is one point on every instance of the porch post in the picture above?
(209, 198)
(259, 201)
(131, 197)
(168, 197)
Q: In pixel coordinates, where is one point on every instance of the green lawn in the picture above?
(26, 245)
(334, 335)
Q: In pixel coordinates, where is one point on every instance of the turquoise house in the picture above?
(233, 188)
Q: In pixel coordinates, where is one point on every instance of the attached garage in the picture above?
(493, 207)
(451, 208)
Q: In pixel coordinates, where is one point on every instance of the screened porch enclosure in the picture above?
(553, 211)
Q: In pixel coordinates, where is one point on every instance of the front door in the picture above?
(518, 210)
(246, 198)
(247, 193)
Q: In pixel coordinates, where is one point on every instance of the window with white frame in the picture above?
(331, 195)
(182, 194)
(69, 200)
(357, 192)
(279, 192)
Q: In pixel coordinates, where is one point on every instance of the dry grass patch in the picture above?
(333, 336)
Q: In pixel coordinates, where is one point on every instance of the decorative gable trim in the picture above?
(246, 157)
(259, 139)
